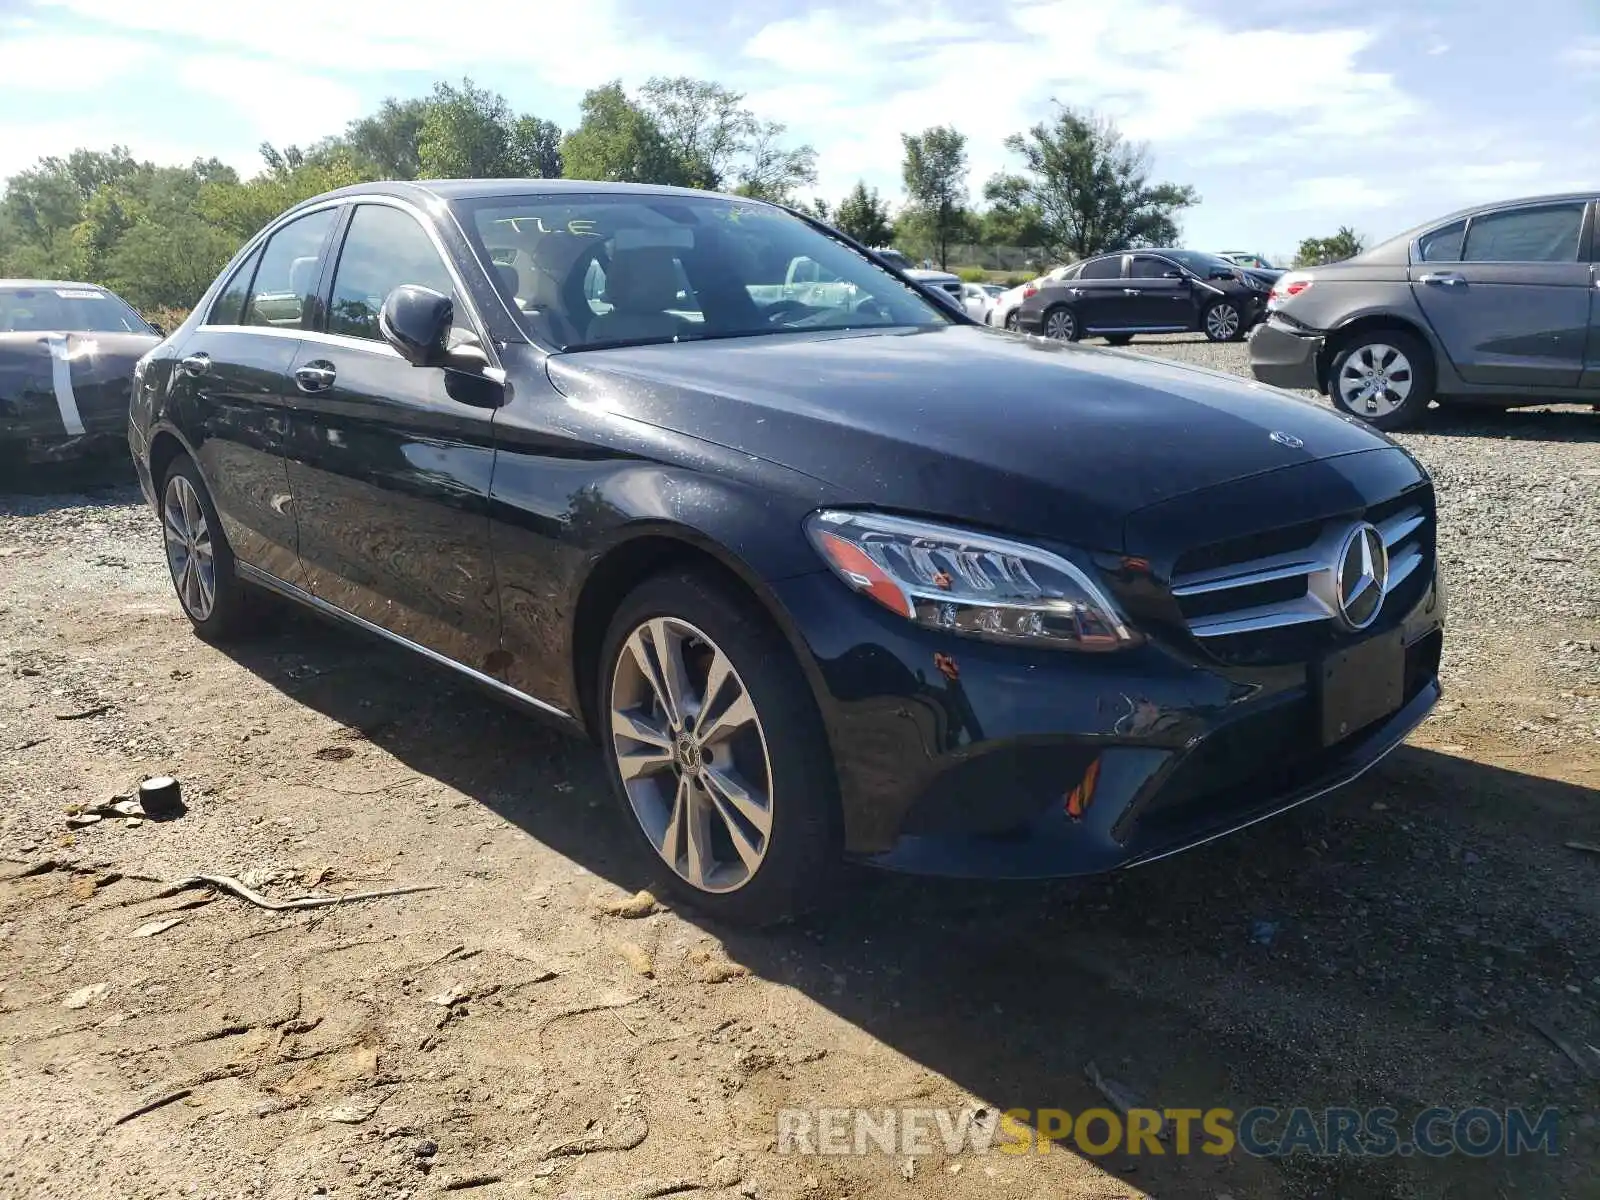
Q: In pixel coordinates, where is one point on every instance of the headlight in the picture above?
(968, 583)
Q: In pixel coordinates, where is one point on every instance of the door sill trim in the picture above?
(299, 595)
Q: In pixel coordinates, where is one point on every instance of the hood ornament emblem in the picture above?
(1286, 439)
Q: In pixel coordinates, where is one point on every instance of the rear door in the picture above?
(391, 463)
(1096, 293)
(230, 391)
(1508, 293)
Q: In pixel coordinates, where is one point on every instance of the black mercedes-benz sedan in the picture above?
(66, 354)
(827, 570)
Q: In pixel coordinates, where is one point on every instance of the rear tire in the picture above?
(1060, 324)
(732, 798)
(199, 559)
(1384, 377)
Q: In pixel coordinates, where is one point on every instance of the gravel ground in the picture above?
(1424, 937)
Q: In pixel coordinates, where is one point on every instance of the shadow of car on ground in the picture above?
(1391, 945)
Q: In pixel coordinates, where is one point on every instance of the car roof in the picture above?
(49, 283)
(473, 189)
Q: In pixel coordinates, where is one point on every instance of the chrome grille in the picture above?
(1296, 586)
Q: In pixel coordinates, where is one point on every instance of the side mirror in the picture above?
(1219, 273)
(416, 322)
(160, 329)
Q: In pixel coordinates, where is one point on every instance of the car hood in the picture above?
(1056, 440)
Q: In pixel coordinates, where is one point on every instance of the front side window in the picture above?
(1109, 267)
(620, 269)
(1548, 234)
(384, 247)
(66, 310)
(1147, 266)
(287, 276)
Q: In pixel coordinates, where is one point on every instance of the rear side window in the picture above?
(384, 248)
(1102, 268)
(229, 306)
(287, 277)
(1443, 245)
(1546, 234)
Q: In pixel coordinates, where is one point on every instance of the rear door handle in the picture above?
(1443, 279)
(317, 376)
(196, 364)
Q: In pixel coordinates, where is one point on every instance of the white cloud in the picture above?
(1585, 53)
(282, 105)
(23, 143)
(61, 62)
(353, 36)
(1162, 70)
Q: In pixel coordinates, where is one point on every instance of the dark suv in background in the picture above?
(1497, 305)
(1117, 296)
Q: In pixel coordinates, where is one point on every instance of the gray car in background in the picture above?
(1497, 305)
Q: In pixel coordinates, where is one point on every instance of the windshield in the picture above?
(583, 272)
(1201, 264)
(66, 310)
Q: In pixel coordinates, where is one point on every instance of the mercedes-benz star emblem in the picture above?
(1286, 439)
(1363, 576)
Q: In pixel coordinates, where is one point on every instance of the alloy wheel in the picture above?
(1222, 322)
(191, 557)
(1061, 326)
(692, 754)
(1375, 380)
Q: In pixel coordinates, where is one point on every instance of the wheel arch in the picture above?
(1377, 322)
(645, 550)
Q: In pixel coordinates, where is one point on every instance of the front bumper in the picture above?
(1286, 357)
(958, 757)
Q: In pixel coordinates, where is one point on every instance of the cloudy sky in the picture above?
(1289, 118)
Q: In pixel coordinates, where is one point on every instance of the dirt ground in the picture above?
(1401, 943)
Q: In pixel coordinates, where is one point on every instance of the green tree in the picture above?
(1316, 252)
(617, 140)
(864, 217)
(1087, 190)
(387, 140)
(240, 209)
(535, 149)
(466, 133)
(719, 144)
(935, 173)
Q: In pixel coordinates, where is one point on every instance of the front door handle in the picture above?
(1443, 279)
(1132, 292)
(317, 376)
(196, 364)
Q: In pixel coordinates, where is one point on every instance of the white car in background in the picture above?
(979, 298)
(1002, 313)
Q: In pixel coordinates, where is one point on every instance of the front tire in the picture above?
(1119, 339)
(1223, 322)
(716, 752)
(1061, 325)
(199, 558)
(1384, 378)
